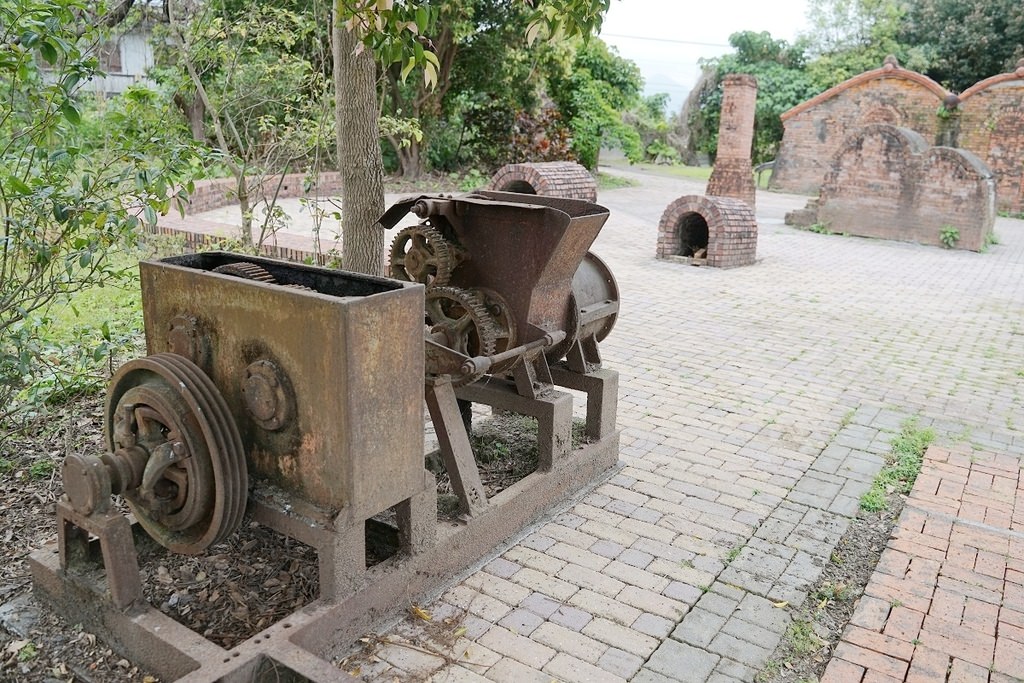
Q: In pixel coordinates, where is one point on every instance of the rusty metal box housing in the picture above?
(322, 370)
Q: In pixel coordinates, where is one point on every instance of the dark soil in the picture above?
(227, 594)
(818, 626)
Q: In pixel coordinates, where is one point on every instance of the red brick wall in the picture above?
(213, 194)
(733, 175)
(887, 182)
(991, 124)
(564, 179)
(732, 229)
(816, 129)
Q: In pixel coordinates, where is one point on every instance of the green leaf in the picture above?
(422, 17)
(48, 52)
(84, 259)
(70, 112)
(409, 65)
(18, 186)
(150, 215)
(532, 31)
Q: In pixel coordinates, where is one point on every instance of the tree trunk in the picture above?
(359, 157)
(197, 119)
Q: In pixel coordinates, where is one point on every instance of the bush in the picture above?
(69, 197)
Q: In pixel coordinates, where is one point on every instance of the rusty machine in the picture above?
(295, 393)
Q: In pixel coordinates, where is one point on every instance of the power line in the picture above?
(665, 40)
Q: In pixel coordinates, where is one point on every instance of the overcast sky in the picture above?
(666, 37)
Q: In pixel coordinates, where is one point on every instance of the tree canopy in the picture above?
(965, 41)
(782, 83)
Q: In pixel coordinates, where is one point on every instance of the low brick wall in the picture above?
(214, 194)
(887, 182)
(565, 179)
(731, 230)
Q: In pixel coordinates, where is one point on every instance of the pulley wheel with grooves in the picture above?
(168, 394)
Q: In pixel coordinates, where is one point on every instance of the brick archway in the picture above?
(724, 226)
(564, 179)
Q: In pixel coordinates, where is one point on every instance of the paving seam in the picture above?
(735, 626)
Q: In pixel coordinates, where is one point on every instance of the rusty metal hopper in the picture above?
(525, 247)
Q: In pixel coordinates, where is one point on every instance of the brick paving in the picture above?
(756, 405)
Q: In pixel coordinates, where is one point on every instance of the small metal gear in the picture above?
(247, 271)
(420, 253)
(462, 316)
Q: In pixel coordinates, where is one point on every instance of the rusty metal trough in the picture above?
(293, 393)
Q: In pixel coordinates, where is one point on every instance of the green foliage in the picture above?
(949, 236)
(965, 40)
(848, 37)
(902, 468)
(69, 196)
(268, 93)
(28, 652)
(607, 181)
(473, 179)
(802, 638)
(782, 83)
(592, 93)
(41, 469)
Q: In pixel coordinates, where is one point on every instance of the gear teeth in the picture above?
(443, 257)
(487, 329)
(246, 271)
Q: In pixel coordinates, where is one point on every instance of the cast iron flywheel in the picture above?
(195, 484)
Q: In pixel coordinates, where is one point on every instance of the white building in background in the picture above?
(125, 59)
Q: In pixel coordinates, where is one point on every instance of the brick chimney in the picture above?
(733, 175)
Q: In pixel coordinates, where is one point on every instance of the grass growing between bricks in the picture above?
(902, 468)
(818, 625)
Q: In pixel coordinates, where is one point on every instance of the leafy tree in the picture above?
(367, 31)
(68, 200)
(648, 118)
(849, 37)
(966, 40)
(266, 101)
(782, 83)
(592, 91)
(493, 89)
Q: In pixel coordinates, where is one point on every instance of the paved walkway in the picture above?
(756, 406)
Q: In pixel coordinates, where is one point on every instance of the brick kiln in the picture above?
(715, 231)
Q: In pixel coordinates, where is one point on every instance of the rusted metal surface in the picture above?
(511, 263)
(307, 382)
(312, 374)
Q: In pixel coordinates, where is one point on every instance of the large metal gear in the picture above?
(461, 316)
(420, 253)
(194, 485)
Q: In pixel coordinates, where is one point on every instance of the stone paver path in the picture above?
(756, 405)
